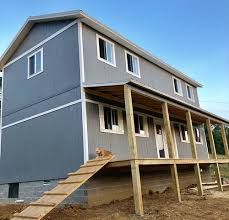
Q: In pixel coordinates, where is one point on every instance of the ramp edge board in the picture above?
(50, 200)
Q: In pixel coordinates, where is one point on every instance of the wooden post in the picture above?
(225, 143)
(171, 146)
(137, 192)
(213, 150)
(194, 153)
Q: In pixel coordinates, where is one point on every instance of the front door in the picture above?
(161, 140)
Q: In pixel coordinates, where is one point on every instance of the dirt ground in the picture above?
(164, 206)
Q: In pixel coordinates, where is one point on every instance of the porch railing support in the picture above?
(171, 148)
(225, 143)
(136, 181)
(194, 153)
(213, 150)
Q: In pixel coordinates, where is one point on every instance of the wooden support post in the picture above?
(225, 143)
(171, 145)
(137, 192)
(213, 150)
(194, 153)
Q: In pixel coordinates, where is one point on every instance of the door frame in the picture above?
(160, 122)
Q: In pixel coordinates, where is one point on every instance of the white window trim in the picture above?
(145, 126)
(98, 53)
(28, 63)
(192, 92)
(132, 73)
(101, 120)
(180, 131)
(177, 93)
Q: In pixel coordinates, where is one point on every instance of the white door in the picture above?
(161, 140)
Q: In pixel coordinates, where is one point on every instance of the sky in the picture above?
(190, 35)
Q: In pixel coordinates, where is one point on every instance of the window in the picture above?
(184, 133)
(13, 190)
(35, 63)
(177, 86)
(110, 120)
(105, 50)
(141, 126)
(190, 93)
(132, 64)
(197, 135)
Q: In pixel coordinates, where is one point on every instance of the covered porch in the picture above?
(134, 96)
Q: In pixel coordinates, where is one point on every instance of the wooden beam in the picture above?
(171, 146)
(225, 143)
(211, 138)
(213, 150)
(194, 153)
(137, 191)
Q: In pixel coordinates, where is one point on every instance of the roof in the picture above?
(161, 94)
(78, 14)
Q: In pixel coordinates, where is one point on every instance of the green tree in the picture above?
(217, 138)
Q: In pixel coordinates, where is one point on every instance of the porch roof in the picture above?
(147, 98)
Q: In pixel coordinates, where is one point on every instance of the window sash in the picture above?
(190, 92)
(184, 133)
(35, 63)
(132, 64)
(111, 119)
(139, 123)
(105, 50)
(197, 135)
(177, 86)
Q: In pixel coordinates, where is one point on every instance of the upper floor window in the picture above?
(105, 50)
(110, 120)
(132, 64)
(35, 63)
(177, 86)
(190, 93)
(184, 133)
(141, 126)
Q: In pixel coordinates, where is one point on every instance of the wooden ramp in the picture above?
(40, 208)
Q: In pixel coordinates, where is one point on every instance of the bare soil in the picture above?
(215, 205)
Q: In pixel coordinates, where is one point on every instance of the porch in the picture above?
(133, 96)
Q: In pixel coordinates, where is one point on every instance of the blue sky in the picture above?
(191, 35)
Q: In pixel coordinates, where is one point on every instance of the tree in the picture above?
(217, 138)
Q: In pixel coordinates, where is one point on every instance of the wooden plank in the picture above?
(168, 130)
(40, 208)
(218, 177)
(171, 146)
(194, 153)
(225, 143)
(213, 150)
(136, 181)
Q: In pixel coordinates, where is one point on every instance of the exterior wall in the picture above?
(38, 33)
(97, 71)
(61, 75)
(31, 191)
(108, 187)
(50, 145)
(46, 147)
(118, 143)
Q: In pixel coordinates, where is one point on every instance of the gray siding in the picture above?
(118, 143)
(61, 74)
(38, 33)
(97, 71)
(47, 147)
